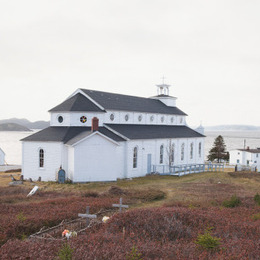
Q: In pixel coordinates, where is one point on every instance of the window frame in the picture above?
(161, 153)
(135, 157)
(41, 157)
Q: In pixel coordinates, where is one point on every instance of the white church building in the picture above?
(100, 136)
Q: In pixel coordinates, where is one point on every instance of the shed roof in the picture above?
(250, 150)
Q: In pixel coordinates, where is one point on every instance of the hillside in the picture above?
(26, 123)
(168, 218)
(13, 127)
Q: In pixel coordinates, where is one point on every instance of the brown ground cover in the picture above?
(166, 216)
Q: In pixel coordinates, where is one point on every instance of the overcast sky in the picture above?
(209, 52)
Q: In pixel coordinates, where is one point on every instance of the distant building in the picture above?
(2, 157)
(249, 157)
(100, 136)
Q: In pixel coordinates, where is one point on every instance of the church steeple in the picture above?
(163, 89)
(163, 94)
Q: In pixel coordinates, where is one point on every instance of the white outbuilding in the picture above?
(101, 136)
(2, 157)
(245, 157)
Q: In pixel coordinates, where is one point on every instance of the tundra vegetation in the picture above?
(198, 216)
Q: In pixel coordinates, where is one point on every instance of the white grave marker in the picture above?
(35, 188)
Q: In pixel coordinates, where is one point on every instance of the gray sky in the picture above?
(209, 51)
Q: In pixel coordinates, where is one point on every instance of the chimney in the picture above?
(94, 126)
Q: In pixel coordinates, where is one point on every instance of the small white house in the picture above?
(249, 157)
(101, 136)
(2, 157)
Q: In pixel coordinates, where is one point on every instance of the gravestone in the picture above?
(120, 205)
(87, 216)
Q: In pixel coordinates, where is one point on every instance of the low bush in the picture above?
(66, 252)
(147, 195)
(207, 241)
(232, 203)
(257, 199)
(92, 194)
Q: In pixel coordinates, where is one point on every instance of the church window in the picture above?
(135, 158)
(83, 119)
(140, 118)
(60, 119)
(162, 119)
(199, 149)
(181, 120)
(182, 152)
(191, 151)
(151, 118)
(161, 153)
(41, 158)
(171, 154)
(112, 117)
(172, 119)
(126, 117)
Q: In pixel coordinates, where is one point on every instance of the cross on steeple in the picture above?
(163, 78)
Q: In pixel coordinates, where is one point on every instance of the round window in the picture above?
(126, 117)
(140, 118)
(60, 119)
(151, 118)
(112, 117)
(83, 119)
(162, 119)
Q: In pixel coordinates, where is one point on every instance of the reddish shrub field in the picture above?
(21, 216)
(153, 233)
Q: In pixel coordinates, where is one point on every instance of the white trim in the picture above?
(87, 96)
(95, 133)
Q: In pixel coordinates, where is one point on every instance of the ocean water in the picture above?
(11, 145)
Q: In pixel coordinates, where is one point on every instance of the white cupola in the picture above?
(163, 95)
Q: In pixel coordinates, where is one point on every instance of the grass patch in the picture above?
(232, 203)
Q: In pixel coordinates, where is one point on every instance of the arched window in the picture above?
(135, 158)
(191, 151)
(182, 152)
(199, 149)
(171, 157)
(41, 158)
(161, 153)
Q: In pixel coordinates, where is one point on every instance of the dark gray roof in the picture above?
(154, 131)
(131, 103)
(77, 102)
(65, 134)
(250, 150)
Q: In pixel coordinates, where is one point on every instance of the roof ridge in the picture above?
(112, 93)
